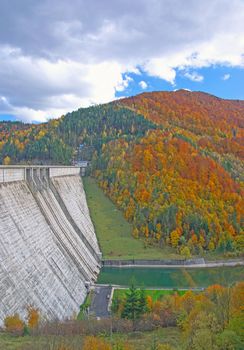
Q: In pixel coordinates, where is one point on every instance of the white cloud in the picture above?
(49, 89)
(226, 77)
(143, 84)
(183, 89)
(194, 76)
(124, 83)
(160, 68)
(71, 54)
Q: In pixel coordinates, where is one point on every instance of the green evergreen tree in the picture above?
(132, 309)
(143, 301)
(135, 304)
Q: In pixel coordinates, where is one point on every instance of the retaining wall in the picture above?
(135, 262)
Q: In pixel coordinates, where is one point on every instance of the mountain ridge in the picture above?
(186, 91)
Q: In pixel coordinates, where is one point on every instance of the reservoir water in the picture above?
(171, 277)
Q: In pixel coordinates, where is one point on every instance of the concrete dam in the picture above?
(49, 253)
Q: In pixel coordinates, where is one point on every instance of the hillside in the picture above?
(114, 232)
(171, 161)
(209, 123)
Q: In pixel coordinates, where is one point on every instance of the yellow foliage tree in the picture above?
(14, 324)
(136, 232)
(174, 237)
(7, 160)
(185, 251)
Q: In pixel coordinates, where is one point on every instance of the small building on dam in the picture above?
(49, 252)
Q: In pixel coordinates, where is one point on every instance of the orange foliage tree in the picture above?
(33, 317)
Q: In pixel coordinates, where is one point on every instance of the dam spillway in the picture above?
(48, 248)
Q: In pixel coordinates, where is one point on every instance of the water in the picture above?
(171, 277)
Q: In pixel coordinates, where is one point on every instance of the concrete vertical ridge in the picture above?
(71, 220)
(55, 229)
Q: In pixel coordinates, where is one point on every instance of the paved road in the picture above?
(100, 301)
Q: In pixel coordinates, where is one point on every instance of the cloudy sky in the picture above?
(58, 55)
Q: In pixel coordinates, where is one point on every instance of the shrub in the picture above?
(14, 324)
(32, 317)
(93, 343)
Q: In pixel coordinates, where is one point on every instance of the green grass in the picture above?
(114, 232)
(139, 340)
(49, 342)
(8, 342)
(144, 340)
(154, 294)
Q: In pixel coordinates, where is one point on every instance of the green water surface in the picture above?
(171, 277)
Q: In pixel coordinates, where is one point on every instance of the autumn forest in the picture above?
(171, 161)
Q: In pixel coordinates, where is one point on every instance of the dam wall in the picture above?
(20, 173)
(8, 174)
(74, 198)
(57, 171)
(48, 248)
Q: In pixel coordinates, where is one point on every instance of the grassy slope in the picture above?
(114, 232)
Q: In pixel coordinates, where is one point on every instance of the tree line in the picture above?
(211, 319)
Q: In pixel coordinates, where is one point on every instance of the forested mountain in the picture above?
(172, 161)
(207, 122)
(57, 140)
